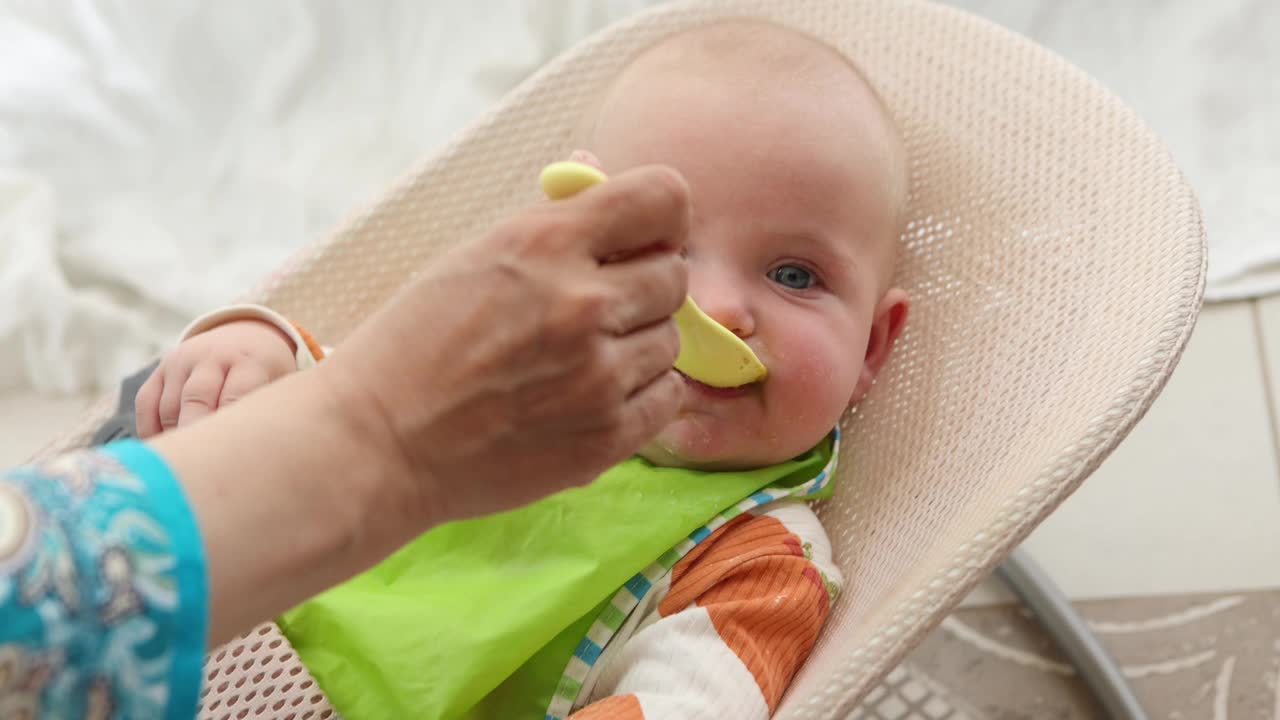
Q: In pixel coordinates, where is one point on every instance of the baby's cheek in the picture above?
(687, 436)
(815, 379)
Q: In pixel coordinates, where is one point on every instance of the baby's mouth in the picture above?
(716, 392)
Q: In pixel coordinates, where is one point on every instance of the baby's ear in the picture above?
(886, 325)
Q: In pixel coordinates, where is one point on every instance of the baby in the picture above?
(797, 178)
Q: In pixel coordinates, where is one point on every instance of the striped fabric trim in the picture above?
(625, 601)
(317, 351)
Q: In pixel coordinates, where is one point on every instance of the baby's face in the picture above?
(790, 247)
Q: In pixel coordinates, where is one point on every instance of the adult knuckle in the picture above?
(594, 353)
(669, 188)
(509, 237)
(612, 420)
(508, 285)
(598, 368)
(615, 359)
(615, 374)
(665, 291)
(644, 284)
(586, 308)
(601, 387)
(669, 340)
(677, 277)
(614, 203)
(646, 415)
(548, 235)
(542, 232)
(665, 395)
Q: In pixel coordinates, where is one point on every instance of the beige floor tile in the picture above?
(1190, 502)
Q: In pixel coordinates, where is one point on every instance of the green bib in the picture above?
(480, 618)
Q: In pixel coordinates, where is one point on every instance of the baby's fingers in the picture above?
(146, 404)
(175, 376)
(242, 380)
(200, 392)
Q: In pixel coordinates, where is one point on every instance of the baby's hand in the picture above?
(210, 370)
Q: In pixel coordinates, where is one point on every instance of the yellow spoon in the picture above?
(709, 352)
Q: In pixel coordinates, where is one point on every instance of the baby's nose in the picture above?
(724, 304)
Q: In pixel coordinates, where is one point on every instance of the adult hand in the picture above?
(522, 363)
(534, 358)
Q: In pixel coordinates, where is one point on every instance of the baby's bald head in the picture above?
(813, 93)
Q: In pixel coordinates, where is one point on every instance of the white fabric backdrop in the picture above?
(157, 156)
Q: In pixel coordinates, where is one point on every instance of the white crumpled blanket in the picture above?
(156, 158)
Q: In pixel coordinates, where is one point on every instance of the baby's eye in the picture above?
(792, 276)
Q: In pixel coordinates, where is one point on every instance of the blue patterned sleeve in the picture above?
(103, 598)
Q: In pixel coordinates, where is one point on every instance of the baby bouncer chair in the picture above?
(1054, 253)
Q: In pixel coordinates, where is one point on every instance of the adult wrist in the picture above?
(398, 499)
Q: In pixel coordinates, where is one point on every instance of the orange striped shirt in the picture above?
(728, 629)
